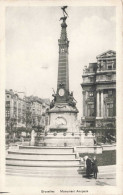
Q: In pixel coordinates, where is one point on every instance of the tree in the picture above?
(28, 118)
(11, 127)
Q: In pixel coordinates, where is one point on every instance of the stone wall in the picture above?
(103, 159)
(89, 149)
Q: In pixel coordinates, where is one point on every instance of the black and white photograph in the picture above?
(60, 98)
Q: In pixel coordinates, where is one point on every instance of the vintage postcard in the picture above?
(61, 97)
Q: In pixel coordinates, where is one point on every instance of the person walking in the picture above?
(88, 167)
(95, 167)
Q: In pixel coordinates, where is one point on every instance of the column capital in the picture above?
(102, 90)
(98, 90)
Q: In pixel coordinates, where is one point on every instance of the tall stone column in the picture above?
(86, 96)
(104, 109)
(83, 103)
(102, 104)
(97, 104)
(63, 67)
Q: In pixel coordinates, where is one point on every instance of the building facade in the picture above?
(25, 112)
(38, 109)
(99, 94)
(15, 110)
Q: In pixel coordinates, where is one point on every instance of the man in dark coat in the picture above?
(95, 167)
(88, 167)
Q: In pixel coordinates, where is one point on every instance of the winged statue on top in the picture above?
(65, 15)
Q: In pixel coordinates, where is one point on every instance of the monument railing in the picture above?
(80, 138)
(81, 133)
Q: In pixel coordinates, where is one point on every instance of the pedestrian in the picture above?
(95, 167)
(88, 167)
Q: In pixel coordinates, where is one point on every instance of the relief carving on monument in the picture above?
(60, 121)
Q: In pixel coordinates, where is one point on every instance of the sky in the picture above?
(32, 35)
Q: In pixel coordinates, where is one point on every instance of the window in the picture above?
(91, 124)
(14, 103)
(101, 77)
(110, 65)
(108, 77)
(110, 109)
(91, 79)
(90, 109)
(7, 103)
(110, 93)
(7, 113)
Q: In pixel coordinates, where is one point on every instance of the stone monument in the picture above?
(63, 111)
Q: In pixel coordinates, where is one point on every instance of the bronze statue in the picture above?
(65, 15)
(63, 18)
(64, 12)
(54, 95)
(52, 104)
(71, 101)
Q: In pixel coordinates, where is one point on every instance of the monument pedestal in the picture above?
(62, 139)
(63, 118)
(66, 139)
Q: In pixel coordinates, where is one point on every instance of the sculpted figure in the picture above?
(64, 11)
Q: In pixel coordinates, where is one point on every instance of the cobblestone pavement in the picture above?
(106, 177)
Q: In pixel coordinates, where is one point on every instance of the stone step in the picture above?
(42, 163)
(40, 156)
(44, 150)
(44, 176)
(63, 169)
(63, 157)
(45, 171)
(19, 161)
